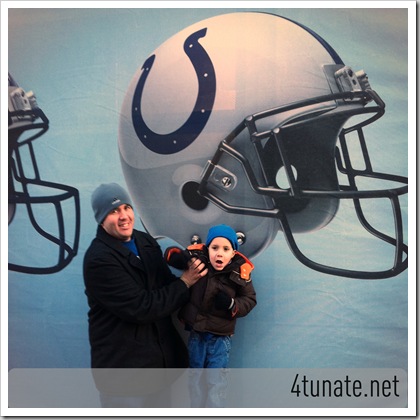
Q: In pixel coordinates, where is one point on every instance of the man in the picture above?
(131, 291)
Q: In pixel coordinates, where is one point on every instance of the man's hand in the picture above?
(196, 270)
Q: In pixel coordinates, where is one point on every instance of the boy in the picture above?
(216, 301)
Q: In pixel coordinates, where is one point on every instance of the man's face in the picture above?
(119, 222)
(220, 253)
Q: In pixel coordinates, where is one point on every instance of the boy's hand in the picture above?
(223, 301)
(177, 258)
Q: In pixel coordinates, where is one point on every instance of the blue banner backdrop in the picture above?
(79, 63)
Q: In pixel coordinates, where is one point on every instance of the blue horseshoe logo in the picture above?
(182, 137)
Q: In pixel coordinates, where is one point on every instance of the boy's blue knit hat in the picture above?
(223, 231)
(106, 198)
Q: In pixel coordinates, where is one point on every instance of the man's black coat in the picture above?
(131, 301)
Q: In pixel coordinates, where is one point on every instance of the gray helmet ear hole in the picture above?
(192, 198)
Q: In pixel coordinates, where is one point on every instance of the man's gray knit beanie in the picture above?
(106, 198)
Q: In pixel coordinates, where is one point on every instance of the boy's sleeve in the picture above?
(245, 300)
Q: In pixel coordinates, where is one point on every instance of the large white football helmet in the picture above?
(43, 203)
(240, 119)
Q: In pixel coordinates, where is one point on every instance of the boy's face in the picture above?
(220, 253)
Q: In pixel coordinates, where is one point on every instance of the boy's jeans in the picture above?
(208, 374)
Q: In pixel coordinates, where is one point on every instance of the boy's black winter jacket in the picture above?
(200, 313)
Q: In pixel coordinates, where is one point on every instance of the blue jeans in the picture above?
(208, 374)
